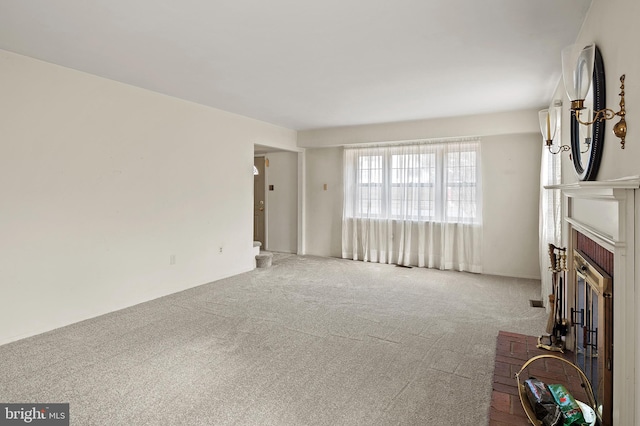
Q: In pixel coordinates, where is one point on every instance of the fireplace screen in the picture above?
(592, 318)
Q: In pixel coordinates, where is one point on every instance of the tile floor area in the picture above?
(512, 351)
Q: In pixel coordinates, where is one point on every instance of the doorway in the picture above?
(277, 203)
(259, 202)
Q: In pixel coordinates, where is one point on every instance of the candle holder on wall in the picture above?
(549, 124)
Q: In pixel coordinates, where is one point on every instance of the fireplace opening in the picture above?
(592, 320)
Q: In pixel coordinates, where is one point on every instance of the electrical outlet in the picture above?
(220, 249)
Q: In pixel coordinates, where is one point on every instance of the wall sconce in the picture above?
(549, 119)
(577, 72)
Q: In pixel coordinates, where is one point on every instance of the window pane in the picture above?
(412, 177)
(369, 202)
(461, 186)
(370, 169)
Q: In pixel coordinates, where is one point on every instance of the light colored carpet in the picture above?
(309, 341)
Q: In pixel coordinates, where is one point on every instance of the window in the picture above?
(436, 182)
(461, 185)
(370, 177)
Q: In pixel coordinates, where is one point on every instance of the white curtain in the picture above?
(550, 216)
(414, 204)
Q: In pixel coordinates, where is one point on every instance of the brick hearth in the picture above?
(512, 351)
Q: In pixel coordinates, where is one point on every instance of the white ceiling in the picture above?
(311, 64)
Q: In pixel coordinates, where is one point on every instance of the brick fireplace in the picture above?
(600, 224)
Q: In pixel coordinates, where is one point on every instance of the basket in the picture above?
(589, 405)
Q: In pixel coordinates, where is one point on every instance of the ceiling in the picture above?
(311, 64)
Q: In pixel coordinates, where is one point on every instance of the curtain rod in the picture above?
(413, 142)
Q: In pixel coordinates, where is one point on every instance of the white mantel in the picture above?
(605, 211)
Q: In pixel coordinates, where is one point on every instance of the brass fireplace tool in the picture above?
(557, 325)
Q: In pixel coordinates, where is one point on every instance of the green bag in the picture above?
(568, 405)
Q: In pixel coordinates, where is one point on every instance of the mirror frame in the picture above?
(589, 171)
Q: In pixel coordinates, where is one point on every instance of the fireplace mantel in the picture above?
(599, 189)
(605, 211)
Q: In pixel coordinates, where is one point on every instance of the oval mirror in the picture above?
(587, 141)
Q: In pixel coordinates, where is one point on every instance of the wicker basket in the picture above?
(528, 409)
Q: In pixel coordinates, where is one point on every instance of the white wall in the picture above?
(102, 183)
(613, 26)
(504, 123)
(511, 194)
(511, 180)
(324, 207)
(282, 202)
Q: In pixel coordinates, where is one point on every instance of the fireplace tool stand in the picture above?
(557, 325)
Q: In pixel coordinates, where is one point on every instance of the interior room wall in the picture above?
(613, 26)
(502, 123)
(324, 206)
(511, 176)
(511, 196)
(282, 202)
(113, 195)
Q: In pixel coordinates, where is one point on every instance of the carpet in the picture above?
(309, 341)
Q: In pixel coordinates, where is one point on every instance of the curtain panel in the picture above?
(550, 219)
(417, 204)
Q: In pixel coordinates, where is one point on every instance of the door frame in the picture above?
(263, 171)
(264, 152)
